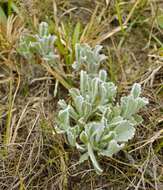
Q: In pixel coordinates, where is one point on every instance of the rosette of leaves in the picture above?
(41, 44)
(94, 122)
(88, 58)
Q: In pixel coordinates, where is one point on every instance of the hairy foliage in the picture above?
(41, 44)
(94, 122)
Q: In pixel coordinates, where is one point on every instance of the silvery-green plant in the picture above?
(41, 44)
(94, 122)
(87, 58)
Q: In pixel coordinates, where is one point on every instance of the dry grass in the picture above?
(32, 156)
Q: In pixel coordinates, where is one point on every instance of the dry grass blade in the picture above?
(56, 75)
(108, 35)
(11, 100)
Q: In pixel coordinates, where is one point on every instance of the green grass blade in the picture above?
(3, 18)
(15, 8)
(76, 34)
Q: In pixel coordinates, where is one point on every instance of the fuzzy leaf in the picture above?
(124, 132)
(72, 134)
(136, 120)
(136, 90)
(112, 148)
(93, 159)
(103, 75)
(64, 116)
(84, 157)
(43, 29)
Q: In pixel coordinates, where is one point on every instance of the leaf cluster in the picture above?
(40, 44)
(94, 122)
